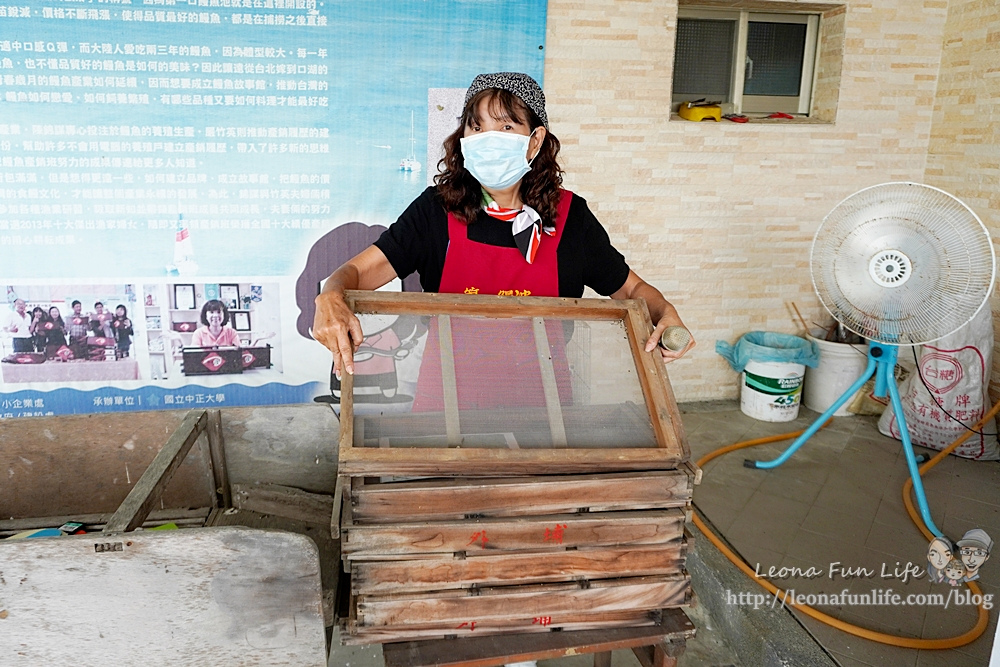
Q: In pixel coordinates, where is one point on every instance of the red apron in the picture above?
(506, 348)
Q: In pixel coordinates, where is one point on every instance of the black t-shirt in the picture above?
(418, 241)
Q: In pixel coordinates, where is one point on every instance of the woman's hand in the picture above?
(653, 342)
(334, 324)
(660, 310)
(336, 327)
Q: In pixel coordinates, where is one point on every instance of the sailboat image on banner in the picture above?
(409, 163)
(184, 264)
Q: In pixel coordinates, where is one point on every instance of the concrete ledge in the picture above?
(764, 636)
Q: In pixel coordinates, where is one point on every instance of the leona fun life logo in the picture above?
(958, 563)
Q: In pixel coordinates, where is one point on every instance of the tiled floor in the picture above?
(839, 499)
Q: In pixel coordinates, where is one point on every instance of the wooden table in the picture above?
(655, 646)
(198, 596)
(204, 596)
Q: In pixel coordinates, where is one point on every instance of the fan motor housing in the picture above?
(890, 268)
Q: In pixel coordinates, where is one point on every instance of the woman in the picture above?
(497, 221)
(216, 331)
(37, 328)
(939, 554)
(55, 335)
(122, 327)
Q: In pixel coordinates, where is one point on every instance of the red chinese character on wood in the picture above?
(479, 536)
(556, 534)
(467, 624)
(541, 620)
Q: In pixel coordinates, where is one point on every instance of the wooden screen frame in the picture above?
(672, 448)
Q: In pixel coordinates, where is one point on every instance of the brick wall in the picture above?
(964, 153)
(721, 216)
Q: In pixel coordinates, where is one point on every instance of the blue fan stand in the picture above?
(882, 363)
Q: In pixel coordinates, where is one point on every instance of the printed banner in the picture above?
(177, 179)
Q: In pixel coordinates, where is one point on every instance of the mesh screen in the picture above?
(703, 58)
(776, 50)
(513, 383)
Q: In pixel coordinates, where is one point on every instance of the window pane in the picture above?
(703, 60)
(775, 51)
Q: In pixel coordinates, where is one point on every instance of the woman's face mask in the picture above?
(497, 160)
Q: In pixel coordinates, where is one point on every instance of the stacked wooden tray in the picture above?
(511, 540)
(464, 556)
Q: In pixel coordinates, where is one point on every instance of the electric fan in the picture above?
(900, 264)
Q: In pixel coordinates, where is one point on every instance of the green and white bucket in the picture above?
(772, 391)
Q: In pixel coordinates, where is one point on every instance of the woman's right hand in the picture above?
(336, 327)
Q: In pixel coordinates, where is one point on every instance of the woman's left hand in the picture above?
(653, 342)
(661, 310)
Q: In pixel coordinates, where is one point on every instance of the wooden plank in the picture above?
(284, 501)
(694, 469)
(370, 577)
(550, 389)
(488, 462)
(347, 421)
(92, 520)
(217, 451)
(588, 529)
(212, 596)
(661, 654)
(338, 504)
(525, 602)
(489, 651)
(329, 551)
(344, 602)
(347, 509)
(95, 522)
(146, 493)
(658, 375)
(654, 656)
(652, 378)
(552, 588)
(424, 303)
(450, 499)
(449, 384)
(346, 414)
(580, 621)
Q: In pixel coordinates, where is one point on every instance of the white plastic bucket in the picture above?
(771, 391)
(840, 366)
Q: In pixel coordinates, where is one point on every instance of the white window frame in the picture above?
(762, 103)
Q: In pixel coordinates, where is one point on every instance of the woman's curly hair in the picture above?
(462, 194)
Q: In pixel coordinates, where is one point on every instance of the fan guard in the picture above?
(902, 263)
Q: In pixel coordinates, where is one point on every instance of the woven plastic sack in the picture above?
(957, 369)
(765, 346)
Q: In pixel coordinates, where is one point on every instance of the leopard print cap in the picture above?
(523, 86)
